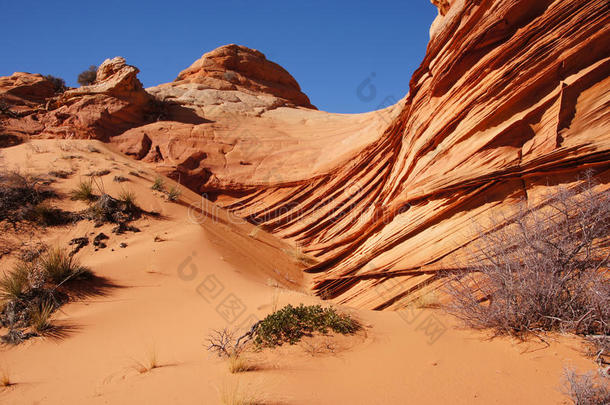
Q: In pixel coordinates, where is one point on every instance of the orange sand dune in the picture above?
(157, 303)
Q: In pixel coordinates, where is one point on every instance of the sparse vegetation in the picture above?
(22, 198)
(59, 84)
(239, 364)
(174, 193)
(159, 184)
(99, 173)
(88, 76)
(290, 324)
(40, 317)
(13, 283)
(119, 211)
(128, 197)
(149, 363)
(5, 378)
(60, 267)
(83, 191)
(231, 394)
(545, 271)
(32, 291)
(587, 389)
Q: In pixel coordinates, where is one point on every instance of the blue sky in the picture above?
(330, 47)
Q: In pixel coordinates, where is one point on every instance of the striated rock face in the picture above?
(511, 99)
(233, 79)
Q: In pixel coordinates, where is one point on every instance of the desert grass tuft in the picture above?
(159, 184)
(128, 197)
(174, 193)
(40, 317)
(14, 283)
(83, 191)
(231, 394)
(149, 363)
(60, 267)
(5, 378)
(239, 364)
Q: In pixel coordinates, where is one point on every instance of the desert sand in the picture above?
(154, 303)
(281, 203)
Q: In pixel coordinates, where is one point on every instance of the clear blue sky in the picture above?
(330, 47)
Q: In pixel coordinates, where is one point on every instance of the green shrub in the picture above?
(290, 324)
(87, 77)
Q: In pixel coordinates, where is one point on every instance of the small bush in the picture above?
(60, 267)
(83, 191)
(586, 389)
(18, 193)
(59, 84)
(88, 76)
(119, 211)
(159, 184)
(174, 193)
(290, 324)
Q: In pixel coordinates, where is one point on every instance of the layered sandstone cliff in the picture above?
(511, 99)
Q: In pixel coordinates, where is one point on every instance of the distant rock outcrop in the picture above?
(233, 79)
(115, 102)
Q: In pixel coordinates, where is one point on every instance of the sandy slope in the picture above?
(155, 304)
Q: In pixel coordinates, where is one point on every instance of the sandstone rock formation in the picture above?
(511, 99)
(21, 96)
(115, 102)
(233, 79)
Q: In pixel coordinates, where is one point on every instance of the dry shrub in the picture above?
(546, 270)
(586, 389)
